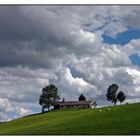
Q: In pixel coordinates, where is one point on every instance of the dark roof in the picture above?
(75, 103)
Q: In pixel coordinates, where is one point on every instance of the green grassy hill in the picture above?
(119, 120)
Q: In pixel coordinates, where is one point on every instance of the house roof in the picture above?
(75, 103)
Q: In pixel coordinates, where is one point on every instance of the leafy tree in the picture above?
(113, 96)
(82, 98)
(112, 93)
(121, 97)
(49, 97)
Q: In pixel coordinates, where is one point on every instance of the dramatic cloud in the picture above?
(64, 45)
(72, 87)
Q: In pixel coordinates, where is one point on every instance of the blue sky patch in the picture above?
(135, 59)
(122, 38)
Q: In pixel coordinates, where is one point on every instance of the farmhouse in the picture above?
(77, 104)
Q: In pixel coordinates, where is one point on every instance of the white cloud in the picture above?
(135, 74)
(24, 111)
(5, 105)
(132, 47)
(71, 87)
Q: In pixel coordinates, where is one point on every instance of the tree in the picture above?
(121, 97)
(82, 98)
(113, 96)
(49, 97)
(112, 93)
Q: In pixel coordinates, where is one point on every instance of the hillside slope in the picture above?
(120, 120)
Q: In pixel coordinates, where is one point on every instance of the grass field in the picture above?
(120, 120)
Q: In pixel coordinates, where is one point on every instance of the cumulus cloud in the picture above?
(135, 74)
(24, 112)
(71, 87)
(5, 105)
(64, 45)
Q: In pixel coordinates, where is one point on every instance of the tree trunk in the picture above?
(43, 109)
(48, 108)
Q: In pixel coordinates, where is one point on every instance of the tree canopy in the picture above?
(82, 98)
(113, 96)
(49, 97)
(112, 92)
(121, 97)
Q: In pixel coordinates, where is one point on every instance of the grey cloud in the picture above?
(37, 36)
(32, 36)
(24, 54)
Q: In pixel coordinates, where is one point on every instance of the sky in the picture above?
(80, 49)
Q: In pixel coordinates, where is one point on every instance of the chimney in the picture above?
(63, 100)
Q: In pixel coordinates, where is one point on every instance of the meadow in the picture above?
(118, 120)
